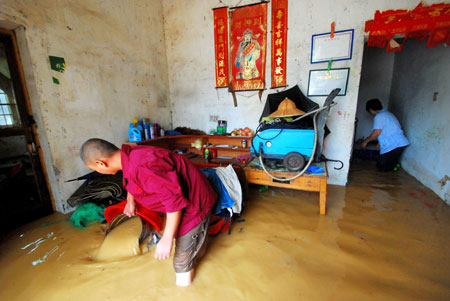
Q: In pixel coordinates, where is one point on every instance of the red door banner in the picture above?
(279, 42)
(248, 40)
(421, 22)
(221, 45)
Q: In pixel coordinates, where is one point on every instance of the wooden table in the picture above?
(309, 182)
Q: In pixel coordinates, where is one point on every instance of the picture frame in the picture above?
(339, 48)
(321, 82)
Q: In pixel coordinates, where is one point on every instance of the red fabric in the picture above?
(221, 45)
(279, 42)
(248, 39)
(422, 21)
(164, 181)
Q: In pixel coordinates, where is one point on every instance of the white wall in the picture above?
(418, 73)
(116, 71)
(190, 54)
(376, 78)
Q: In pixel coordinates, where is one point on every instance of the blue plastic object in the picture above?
(134, 134)
(315, 169)
(277, 143)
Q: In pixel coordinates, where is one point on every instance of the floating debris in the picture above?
(40, 260)
(36, 243)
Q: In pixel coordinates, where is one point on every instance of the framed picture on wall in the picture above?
(322, 82)
(339, 48)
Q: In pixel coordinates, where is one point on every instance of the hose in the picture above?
(307, 165)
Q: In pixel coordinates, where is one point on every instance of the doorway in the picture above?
(23, 188)
(376, 81)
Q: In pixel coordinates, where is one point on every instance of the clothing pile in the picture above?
(101, 189)
(226, 183)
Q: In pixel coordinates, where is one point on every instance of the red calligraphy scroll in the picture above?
(279, 42)
(248, 38)
(221, 46)
(421, 22)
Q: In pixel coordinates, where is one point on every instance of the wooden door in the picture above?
(24, 191)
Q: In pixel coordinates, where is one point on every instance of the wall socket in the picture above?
(213, 118)
(435, 96)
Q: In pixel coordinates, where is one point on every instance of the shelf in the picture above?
(184, 142)
(181, 145)
(240, 137)
(239, 149)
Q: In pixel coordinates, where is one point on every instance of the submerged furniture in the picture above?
(316, 182)
(231, 147)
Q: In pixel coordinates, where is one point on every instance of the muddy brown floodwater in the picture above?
(122, 241)
(385, 237)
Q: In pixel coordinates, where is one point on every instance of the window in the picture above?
(6, 110)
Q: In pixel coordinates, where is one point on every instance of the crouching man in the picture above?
(162, 181)
(391, 140)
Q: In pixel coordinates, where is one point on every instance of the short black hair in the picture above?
(374, 104)
(96, 148)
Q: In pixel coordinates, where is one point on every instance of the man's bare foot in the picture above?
(184, 279)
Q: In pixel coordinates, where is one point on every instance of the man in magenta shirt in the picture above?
(163, 181)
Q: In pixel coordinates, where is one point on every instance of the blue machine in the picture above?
(294, 146)
(277, 143)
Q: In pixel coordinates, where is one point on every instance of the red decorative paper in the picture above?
(221, 46)
(422, 22)
(248, 38)
(279, 42)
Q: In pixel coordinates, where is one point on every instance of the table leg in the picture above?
(323, 196)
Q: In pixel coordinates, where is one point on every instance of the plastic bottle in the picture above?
(155, 129)
(152, 131)
(141, 128)
(135, 122)
(134, 135)
(146, 132)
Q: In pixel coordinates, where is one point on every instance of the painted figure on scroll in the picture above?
(247, 54)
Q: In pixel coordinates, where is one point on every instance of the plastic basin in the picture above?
(149, 215)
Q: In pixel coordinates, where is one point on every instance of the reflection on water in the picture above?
(385, 236)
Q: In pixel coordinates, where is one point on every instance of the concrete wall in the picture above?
(190, 56)
(419, 72)
(376, 78)
(116, 71)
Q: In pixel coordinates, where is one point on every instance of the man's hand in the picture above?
(372, 137)
(130, 207)
(163, 248)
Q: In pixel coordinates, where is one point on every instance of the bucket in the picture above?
(148, 215)
(119, 219)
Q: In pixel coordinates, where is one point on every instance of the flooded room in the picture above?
(224, 149)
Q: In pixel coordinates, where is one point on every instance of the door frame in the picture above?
(26, 116)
